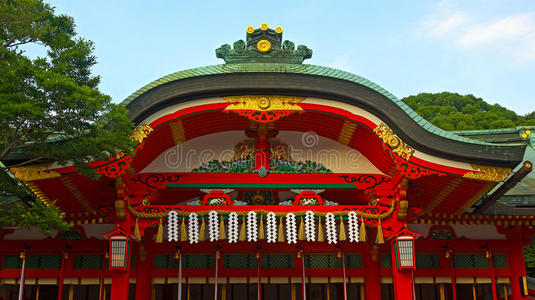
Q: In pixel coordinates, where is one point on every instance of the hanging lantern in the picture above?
(404, 250)
(119, 248)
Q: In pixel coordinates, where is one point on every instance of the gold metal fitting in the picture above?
(250, 29)
(264, 26)
(263, 46)
(278, 29)
(528, 165)
(22, 255)
(298, 254)
(339, 254)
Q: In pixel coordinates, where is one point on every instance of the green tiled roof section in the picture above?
(518, 200)
(299, 69)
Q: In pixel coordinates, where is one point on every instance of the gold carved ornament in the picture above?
(488, 173)
(263, 46)
(141, 132)
(263, 103)
(34, 172)
(393, 141)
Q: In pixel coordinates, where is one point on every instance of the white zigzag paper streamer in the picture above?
(330, 228)
(291, 229)
(213, 226)
(271, 228)
(233, 227)
(252, 227)
(172, 226)
(193, 228)
(310, 226)
(353, 224)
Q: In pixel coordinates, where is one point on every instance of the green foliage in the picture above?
(50, 107)
(451, 111)
(529, 257)
(35, 214)
(247, 166)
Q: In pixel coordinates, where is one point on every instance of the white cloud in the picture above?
(439, 25)
(517, 27)
(342, 62)
(512, 36)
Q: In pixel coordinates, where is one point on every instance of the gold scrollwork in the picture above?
(393, 141)
(141, 132)
(263, 103)
(34, 172)
(488, 173)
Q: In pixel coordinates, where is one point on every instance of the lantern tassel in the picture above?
(342, 229)
(320, 231)
(301, 230)
(281, 231)
(261, 230)
(222, 229)
(362, 231)
(242, 231)
(136, 231)
(202, 230)
(159, 234)
(379, 239)
(183, 232)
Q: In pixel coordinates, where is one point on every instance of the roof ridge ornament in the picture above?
(263, 45)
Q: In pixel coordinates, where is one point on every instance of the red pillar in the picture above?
(372, 281)
(518, 269)
(61, 275)
(403, 283)
(143, 274)
(119, 285)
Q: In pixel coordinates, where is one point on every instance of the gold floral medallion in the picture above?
(263, 46)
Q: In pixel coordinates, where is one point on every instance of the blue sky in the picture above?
(485, 48)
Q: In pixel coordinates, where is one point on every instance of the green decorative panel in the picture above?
(43, 262)
(88, 261)
(238, 261)
(470, 261)
(71, 235)
(277, 261)
(201, 261)
(353, 260)
(12, 262)
(132, 261)
(165, 261)
(189, 261)
(322, 261)
(499, 261)
(427, 261)
(386, 261)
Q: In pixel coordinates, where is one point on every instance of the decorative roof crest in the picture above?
(263, 45)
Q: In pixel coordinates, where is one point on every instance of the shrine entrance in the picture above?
(271, 291)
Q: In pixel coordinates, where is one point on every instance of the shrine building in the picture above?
(267, 178)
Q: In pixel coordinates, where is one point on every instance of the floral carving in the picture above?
(394, 142)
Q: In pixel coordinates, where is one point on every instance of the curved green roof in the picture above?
(299, 69)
